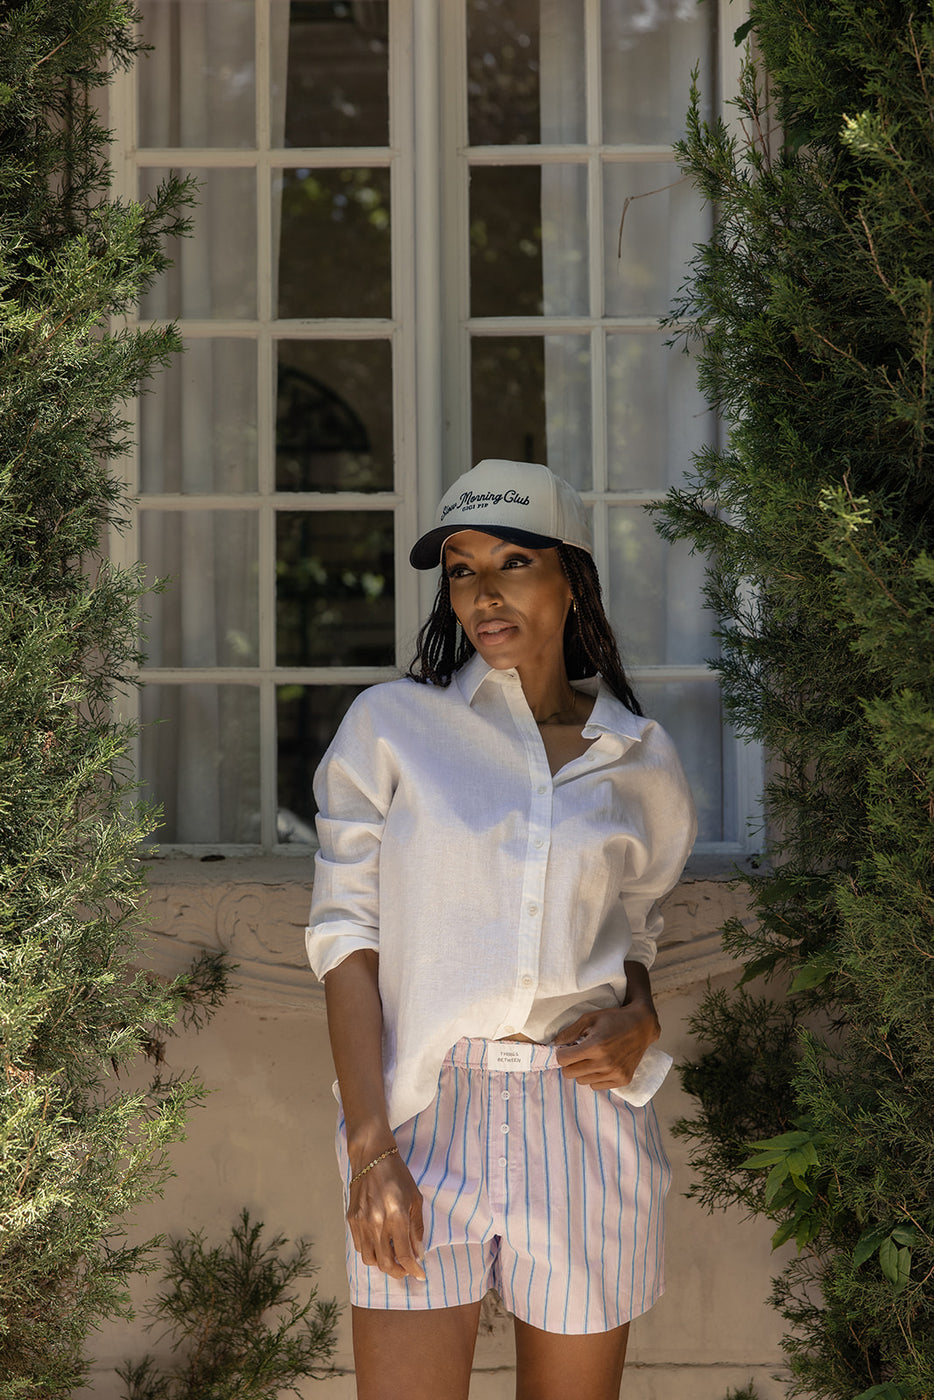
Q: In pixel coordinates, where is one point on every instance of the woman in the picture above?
(496, 830)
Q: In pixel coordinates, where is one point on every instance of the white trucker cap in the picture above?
(518, 501)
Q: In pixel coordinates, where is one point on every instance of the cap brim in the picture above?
(426, 552)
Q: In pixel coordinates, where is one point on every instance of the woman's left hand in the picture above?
(603, 1048)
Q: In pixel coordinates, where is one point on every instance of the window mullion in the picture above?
(455, 307)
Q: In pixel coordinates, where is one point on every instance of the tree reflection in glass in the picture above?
(335, 589)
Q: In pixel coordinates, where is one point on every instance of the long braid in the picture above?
(589, 644)
(438, 653)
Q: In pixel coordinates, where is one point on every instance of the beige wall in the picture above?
(264, 1140)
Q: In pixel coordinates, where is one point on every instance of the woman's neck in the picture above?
(551, 698)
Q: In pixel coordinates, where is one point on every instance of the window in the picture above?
(427, 234)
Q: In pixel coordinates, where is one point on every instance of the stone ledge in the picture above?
(260, 924)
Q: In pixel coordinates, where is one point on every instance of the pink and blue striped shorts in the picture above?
(552, 1194)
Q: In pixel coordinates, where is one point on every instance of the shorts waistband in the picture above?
(502, 1056)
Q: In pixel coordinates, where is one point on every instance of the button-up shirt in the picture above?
(500, 898)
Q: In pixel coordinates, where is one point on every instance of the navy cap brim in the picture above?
(426, 552)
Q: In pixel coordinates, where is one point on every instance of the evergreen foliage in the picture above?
(232, 1311)
(78, 1150)
(813, 312)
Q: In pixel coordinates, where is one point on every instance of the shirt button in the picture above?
(503, 1162)
(539, 844)
(541, 790)
(509, 1030)
(504, 1094)
(533, 908)
(526, 981)
(505, 1128)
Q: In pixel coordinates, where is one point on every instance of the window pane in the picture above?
(530, 399)
(648, 52)
(308, 716)
(199, 751)
(198, 421)
(207, 615)
(197, 85)
(656, 416)
(214, 272)
(645, 269)
(692, 714)
(525, 72)
(528, 240)
(657, 606)
(334, 253)
(334, 416)
(337, 89)
(335, 588)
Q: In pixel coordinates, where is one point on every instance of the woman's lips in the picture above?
(495, 633)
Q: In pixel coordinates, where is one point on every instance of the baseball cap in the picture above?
(518, 501)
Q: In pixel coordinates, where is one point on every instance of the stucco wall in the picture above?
(264, 1140)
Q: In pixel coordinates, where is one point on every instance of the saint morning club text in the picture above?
(470, 500)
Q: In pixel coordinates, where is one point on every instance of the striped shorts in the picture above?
(551, 1193)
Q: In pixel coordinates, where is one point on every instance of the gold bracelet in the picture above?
(375, 1162)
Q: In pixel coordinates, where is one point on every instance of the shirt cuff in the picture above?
(649, 1076)
(328, 947)
(643, 949)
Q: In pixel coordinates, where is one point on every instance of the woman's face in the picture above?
(511, 601)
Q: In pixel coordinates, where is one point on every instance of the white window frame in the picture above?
(430, 334)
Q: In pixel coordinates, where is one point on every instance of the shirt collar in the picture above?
(609, 715)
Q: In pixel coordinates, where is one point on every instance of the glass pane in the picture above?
(525, 72)
(531, 402)
(692, 714)
(337, 88)
(335, 588)
(199, 751)
(334, 416)
(334, 253)
(308, 716)
(648, 52)
(528, 240)
(197, 87)
(656, 416)
(198, 421)
(646, 266)
(214, 272)
(207, 615)
(656, 604)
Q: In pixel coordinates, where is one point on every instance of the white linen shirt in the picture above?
(500, 899)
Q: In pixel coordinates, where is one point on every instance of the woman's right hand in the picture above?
(385, 1219)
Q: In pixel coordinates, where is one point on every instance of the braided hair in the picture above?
(589, 644)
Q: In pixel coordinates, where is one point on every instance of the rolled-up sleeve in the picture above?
(669, 830)
(345, 899)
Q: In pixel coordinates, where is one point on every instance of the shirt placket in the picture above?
(538, 844)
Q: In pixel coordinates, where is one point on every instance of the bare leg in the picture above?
(424, 1355)
(550, 1366)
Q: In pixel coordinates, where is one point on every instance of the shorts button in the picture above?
(505, 1128)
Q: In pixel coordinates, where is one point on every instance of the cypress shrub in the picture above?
(79, 1149)
(812, 311)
